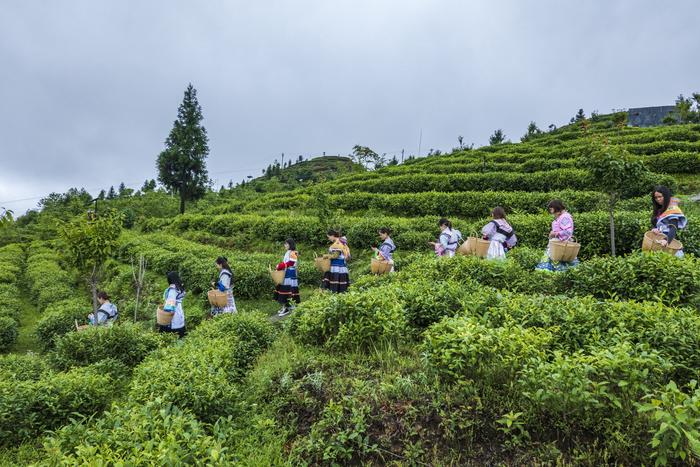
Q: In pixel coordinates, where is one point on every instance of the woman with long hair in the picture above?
(337, 280)
(448, 241)
(172, 303)
(666, 217)
(500, 233)
(563, 230)
(287, 293)
(386, 250)
(224, 284)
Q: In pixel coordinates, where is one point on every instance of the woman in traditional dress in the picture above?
(336, 280)
(385, 252)
(667, 218)
(287, 293)
(563, 230)
(449, 239)
(224, 284)
(172, 303)
(107, 313)
(500, 233)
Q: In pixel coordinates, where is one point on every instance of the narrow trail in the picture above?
(27, 340)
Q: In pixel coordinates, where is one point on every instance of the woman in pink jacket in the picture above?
(562, 229)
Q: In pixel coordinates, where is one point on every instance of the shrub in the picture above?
(198, 376)
(29, 408)
(27, 367)
(580, 393)
(426, 302)
(254, 331)
(8, 333)
(156, 433)
(464, 351)
(642, 276)
(10, 305)
(201, 374)
(59, 320)
(674, 419)
(127, 343)
(341, 436)
(353, 320)
(499, 274)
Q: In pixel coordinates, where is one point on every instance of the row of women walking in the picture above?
(666, 218)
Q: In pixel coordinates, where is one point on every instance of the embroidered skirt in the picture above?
(546, 264)
(288, 290)
(336, 280)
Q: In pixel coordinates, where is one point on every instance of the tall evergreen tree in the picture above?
(497, 137)
(111, 194)
(181, 166)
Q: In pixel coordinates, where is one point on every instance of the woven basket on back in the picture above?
(163, 318)
(322, 264)
(564, 251)
(277, 276)
(380, 267)
(651, 243)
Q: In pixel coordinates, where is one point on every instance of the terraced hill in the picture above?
(447, 362)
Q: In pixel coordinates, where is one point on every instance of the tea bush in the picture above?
(11, 263)
(48, 280)
(201, 374)
(8, 333)
(29, 408)
(60, 319)
(125, 342)
(155, 433)
(656, 276)
(463, 351)
(674, 419)
(28, 367)
(581, 393)
(353, 320)
(198, 376)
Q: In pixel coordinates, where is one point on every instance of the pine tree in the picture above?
(497, 137)
(580, 115)
(111, 194)
(181, 166)
(101, 195)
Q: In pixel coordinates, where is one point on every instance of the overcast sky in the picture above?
(89, 89)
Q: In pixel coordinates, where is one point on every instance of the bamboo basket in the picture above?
(217, 298)
(468, 248)
(277, 276)
(474, 246)
(322, 264)
(564, 251)
(163, 318)
(482, 247)
(651, 243)
(80, 327)
(380, 267)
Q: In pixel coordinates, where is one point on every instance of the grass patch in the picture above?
(27, 340)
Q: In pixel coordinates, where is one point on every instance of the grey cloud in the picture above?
(90, 89)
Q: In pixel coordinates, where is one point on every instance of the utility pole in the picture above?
(283, 160)
(402, 156)
(420, 141)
